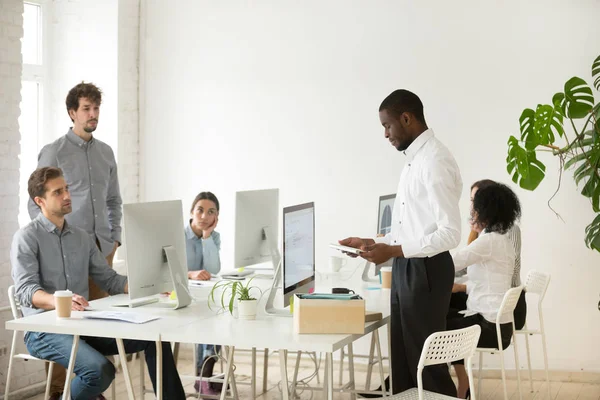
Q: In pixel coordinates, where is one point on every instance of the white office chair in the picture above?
(507, 309)
(537, 283)
(15, 307)
(441, 348)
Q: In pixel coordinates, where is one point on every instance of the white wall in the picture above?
(282, 94)
(11, 31)
(82, 46)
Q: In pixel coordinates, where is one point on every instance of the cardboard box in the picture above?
(329, 316)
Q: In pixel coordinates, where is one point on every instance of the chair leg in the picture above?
(10, 364)
(48, 380)
(370, 362)
(113, 391)
(479, 375)
(517, 366)
(546, 364)
(529, 361)
(501, 354)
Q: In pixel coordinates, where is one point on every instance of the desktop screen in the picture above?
(298, 246)
(386, 206)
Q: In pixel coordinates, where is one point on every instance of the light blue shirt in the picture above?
(202, 253)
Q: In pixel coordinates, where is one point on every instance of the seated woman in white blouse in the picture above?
(490, 262)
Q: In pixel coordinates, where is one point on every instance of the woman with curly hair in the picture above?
(490, 263)
(459, 299)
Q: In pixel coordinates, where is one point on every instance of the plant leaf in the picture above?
(526, 126)
(574, 160)
(579, 99)
(592, 234)
(558, 101)
(548, 123)
(580, 144)
(232, 299)
(526, 170)
(596, 73)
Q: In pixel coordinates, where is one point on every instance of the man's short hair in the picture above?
(36, 186)
(87, 90)
(401, 101)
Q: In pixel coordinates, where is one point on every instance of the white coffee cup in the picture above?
(336, 263)
(62, 302)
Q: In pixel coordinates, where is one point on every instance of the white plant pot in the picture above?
(247, 309)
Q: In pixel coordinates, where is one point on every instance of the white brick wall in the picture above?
(11, 31)
(11, 23)
(128, 108)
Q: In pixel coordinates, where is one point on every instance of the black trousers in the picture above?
(420, 298)
(458, 302)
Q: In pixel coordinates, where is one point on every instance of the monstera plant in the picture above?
(569, 128)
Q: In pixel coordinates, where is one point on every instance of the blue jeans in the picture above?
(203, 351)
(93, 371)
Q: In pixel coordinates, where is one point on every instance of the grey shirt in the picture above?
(44, 258)
(90, 170)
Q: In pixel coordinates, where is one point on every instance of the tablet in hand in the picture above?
(346, 249)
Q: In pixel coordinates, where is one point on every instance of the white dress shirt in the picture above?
(426, 216)
(490, 263)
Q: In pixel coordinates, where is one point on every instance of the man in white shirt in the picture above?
(425, 226)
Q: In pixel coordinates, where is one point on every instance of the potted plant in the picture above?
(232, 291)
(546, 129)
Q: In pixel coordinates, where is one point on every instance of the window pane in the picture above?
(31, 48)
(28, 124)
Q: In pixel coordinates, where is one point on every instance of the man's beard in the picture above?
(89, 129)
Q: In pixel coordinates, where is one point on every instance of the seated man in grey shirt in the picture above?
(49, 255)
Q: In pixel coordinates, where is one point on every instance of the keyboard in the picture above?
(240, 275)
(137, 302)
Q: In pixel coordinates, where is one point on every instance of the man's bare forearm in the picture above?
(43, 300)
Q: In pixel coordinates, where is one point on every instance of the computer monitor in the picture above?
(386, 206)
(384, 226)
(155, 249)
(298, 250)
(256, 227)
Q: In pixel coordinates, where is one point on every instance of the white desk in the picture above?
(277, 333)
(150, 331)
(198, 324)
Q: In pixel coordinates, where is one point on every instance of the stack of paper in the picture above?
(120, 316)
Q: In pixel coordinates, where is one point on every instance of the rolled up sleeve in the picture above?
(103, 275)
(25, 267)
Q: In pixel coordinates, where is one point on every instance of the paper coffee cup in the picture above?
(62, 303)
(386, 277)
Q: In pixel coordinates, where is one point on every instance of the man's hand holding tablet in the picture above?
(352, 246)
(346, 249)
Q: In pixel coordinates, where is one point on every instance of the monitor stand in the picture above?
(270, 308)
(182, 293)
